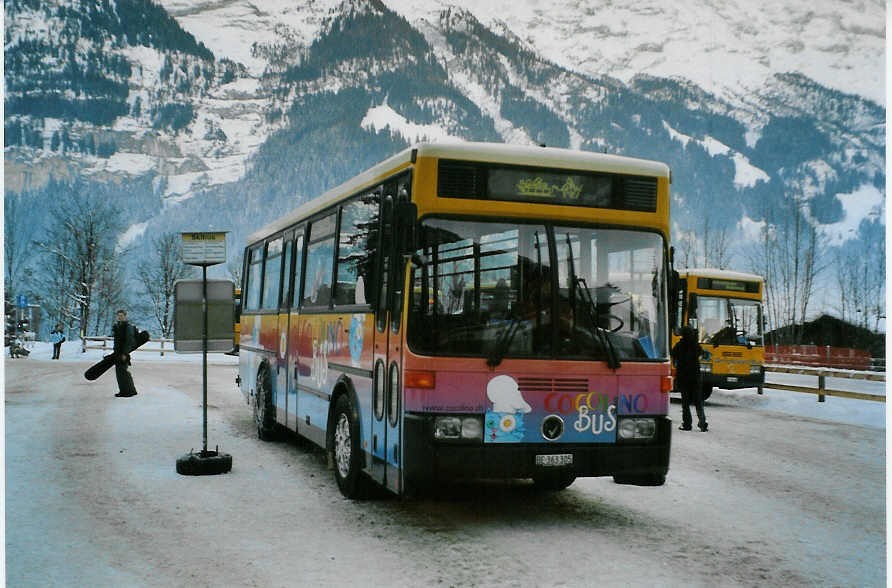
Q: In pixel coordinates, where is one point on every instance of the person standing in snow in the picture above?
(124, 335)
(686, 357)
(57, 337)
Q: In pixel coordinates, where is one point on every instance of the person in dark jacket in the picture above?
(124, 335)
(686, 357)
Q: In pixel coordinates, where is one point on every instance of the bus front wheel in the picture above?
(263, 407)
(345, 448)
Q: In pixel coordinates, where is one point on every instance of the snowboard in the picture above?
(103, 365)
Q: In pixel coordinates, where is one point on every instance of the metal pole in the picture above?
(204, 359)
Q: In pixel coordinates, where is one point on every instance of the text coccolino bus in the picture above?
(469, 311)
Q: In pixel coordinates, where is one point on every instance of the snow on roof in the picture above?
(719, 274)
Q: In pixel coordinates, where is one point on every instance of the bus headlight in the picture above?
(706, 368)
(637, 428)
(755, 369)
(453, 428)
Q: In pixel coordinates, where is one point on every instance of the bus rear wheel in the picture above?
(345, 448)
(263, 407)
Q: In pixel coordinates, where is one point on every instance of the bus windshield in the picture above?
(729, 321)
(510, 290)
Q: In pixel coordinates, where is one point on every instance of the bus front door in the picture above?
(282, 368)
(386, 462)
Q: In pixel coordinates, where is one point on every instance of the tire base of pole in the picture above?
(204, 463)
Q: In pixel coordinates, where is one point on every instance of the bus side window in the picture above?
(298, 269)
(320, 262)
(272, 274)
(287, 274)
(253, 277)
(357, 253)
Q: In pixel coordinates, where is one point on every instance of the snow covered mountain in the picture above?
(222, 114)
(729, 48)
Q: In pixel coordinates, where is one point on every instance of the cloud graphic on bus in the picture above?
(504, 393)
(505, 422)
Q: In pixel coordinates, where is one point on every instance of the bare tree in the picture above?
(789, 257)
(862, 284)
(234, 268)
(109, 295)
(706, 248)
(715, 246)
(158, 276)
(83, 230)
(18, 233)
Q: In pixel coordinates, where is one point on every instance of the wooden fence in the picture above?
(821, 375)
(106, 344)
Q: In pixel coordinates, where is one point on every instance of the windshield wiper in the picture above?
(503, 343)
(595, 317)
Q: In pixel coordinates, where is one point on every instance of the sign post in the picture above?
(202, 249)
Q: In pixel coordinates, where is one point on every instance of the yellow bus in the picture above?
(725, 308)
(466, 311)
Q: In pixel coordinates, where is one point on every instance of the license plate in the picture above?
(732, 379)
(560, 459)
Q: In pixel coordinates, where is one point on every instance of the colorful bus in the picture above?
(467, 311)
(725, 308)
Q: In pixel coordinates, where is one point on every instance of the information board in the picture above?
(204, 248)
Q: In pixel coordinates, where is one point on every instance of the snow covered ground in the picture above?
(92, 498)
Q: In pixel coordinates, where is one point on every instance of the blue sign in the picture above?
(21, 301)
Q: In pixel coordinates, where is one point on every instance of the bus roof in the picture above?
(719, 274)
(523, 155)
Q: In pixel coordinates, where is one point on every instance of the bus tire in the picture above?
(553, 481)
(263, 407)
(345, 448)
(641, 480)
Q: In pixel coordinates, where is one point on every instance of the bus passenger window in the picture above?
(356, 253)
(298, 270)
(272, 274)
(320, 262)
(255, 273)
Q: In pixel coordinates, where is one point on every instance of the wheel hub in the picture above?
(342, 445)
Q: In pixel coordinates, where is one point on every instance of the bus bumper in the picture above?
(734, 381)
(427, 461)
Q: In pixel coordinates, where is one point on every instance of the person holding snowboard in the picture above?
(124, 335)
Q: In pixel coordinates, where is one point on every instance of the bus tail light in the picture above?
(419, 379)
(666, 384)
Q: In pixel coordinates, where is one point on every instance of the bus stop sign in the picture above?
(204, 248)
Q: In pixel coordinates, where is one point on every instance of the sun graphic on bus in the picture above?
(508, 423)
